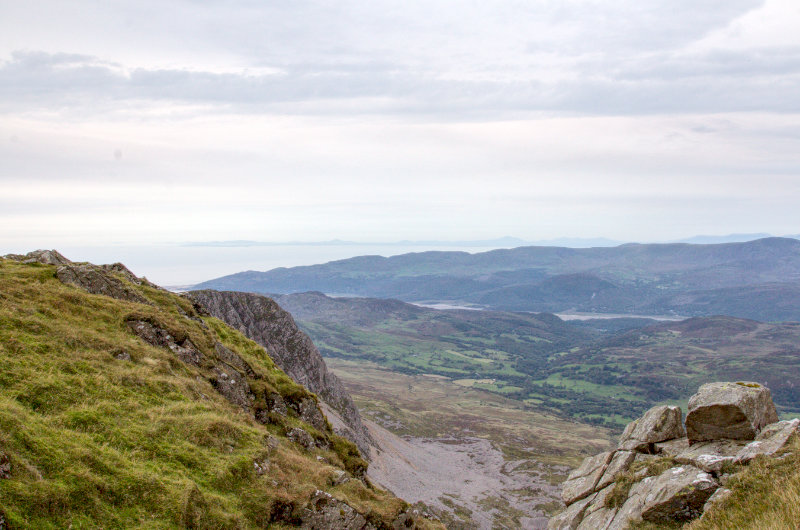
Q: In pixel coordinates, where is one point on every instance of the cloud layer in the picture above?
(391, 120)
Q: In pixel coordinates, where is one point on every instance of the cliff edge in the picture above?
(262, 320)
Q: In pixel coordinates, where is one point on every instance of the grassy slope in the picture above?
(99, 442)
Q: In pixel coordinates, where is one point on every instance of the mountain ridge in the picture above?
(640, 278)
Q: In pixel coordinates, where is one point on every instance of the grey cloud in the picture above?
(715, 82)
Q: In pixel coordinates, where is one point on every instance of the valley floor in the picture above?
(483, 460)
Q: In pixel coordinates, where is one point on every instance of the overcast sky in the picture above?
(150, 121)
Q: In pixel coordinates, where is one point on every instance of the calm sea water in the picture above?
(177, 265)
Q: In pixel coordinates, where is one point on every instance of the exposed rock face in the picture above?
(583, 480)
(326, 512)
(98, 280)
(770, 440)
(656, 425)
(677, 494)
(596, 499)
(729, 410)
(710, 456)
(262, 320)
(156, 336)
(46, 257)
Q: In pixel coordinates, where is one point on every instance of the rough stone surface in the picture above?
(233, 359)
(571, 517)
(656, 425)
(598, 519)
(720, 495)
(729, 410)
(583, 480)
(309, 412)
(710, 456)
(262, 320)
(46, 257)
(301, 437)
(678, 494)
(672, 447)
(156, 336)
(324, 512)
(619, 464)
(97, 280)
(233, 386)
(5, 466)
(770, 440)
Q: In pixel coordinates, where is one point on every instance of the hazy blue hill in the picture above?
(632, 278)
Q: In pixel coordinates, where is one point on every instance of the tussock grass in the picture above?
(765, 495)
(98, 442)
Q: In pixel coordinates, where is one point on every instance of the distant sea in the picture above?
(175, 265)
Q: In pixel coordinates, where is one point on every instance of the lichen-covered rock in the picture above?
(46, 257)
(597, 514)
(678, 494)
(5, 466)
(598, 519)
(301, 437)
(770, 440)
(233, 386)
(583, 480)
(710, 456)
(672, 447)
(324, 512)
(309, 412)
(96, 280)
(154, 335)
(620, 462)
(571, 517)
(729, 410)
(187, 352)
(233, 359)
(720, 495)
(658, 424)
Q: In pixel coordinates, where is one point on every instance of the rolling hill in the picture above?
(651, 279)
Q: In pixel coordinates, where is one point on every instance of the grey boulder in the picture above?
(658, 424)
(729, 410)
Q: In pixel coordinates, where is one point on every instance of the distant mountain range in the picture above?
(757, 279)
(502, 242)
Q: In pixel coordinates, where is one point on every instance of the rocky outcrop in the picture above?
(661, 475)
(262, 320)
(45, 257)
(729, 410)
(657, 425)
(97, 280)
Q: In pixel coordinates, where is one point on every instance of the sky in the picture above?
(138, 122)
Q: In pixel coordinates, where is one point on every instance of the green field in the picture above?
(601, 372)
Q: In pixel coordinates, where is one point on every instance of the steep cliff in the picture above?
(261, 319)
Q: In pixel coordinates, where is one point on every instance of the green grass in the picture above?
(766, 495)
(97, 442)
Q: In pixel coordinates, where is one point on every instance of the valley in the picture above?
(472, 455)
(599, 371)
